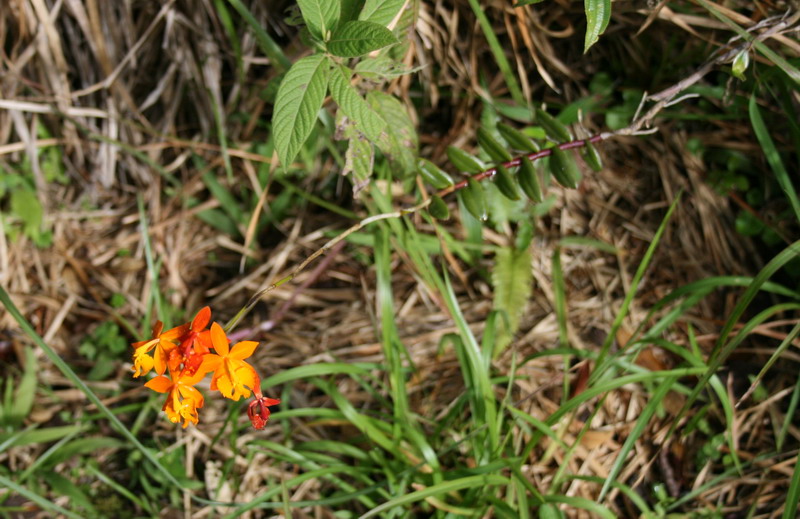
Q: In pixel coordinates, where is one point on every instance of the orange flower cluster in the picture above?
(186, 354)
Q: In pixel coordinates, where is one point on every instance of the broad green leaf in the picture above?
(356, 38)
(512, 280)
(380, 11)
(320, 16)
(598, 14)
(401, 142)
(354, 106)
(25, 206)
(23, 399)
(299, 100)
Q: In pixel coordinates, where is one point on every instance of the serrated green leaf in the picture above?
(401, 141)
(299, 100)
(512, 280)
(598, 14)
(353, 105)
(356, 38)
(492, 146)
(320, 15)
(380, 11)
(463, 161)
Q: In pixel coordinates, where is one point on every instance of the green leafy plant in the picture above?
(367, 123)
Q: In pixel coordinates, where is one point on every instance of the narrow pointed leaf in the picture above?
(564, 168)
(474, 199)
(354, 106)
(505, 183)
(356, 38)
(516, 139)
(529, 180)
(554, 128)
(464, 161)
(592, 157)
(492, 146)
(598, 14)
(299, 100)
(433, 175)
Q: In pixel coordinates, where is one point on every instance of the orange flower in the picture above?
(183, 400)
(195, 343)
(232, 375)
(164, 343)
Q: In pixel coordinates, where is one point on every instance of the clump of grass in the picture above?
(632, 370)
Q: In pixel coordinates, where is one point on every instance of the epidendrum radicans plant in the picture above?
(377, 125)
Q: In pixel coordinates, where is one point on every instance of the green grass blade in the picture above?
(81, 385)
(273, 51)
(772, 155)
(581, 502)
(36, 498)
(435, 490)
(641, 423)
(793, 494)
(637, 278)
(498, 52)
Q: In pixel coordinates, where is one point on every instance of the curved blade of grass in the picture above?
(36, 498)
(789, 412)
(637, 278)
(638, 429)
(273, 51)
(483, 400)
(721, 349)
(785, 343)
(498, 52)
(81, 385)
(362, 422)
(772, 155)
(435, 490)
(630, 493)
(316, 370)
(793, 494)
(581, 502)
